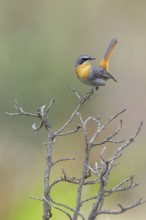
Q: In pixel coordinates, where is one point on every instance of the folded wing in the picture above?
(99, 72)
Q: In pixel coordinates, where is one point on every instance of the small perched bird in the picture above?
(93, 75)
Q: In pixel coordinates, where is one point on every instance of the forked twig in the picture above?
(97, 175)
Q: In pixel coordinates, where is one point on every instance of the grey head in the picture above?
(82, 59)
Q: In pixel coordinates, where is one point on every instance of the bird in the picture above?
(91, 75)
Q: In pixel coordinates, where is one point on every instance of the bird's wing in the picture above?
(99, 72)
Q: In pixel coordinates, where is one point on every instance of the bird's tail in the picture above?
(104, 62)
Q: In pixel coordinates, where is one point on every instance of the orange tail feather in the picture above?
(104, 62)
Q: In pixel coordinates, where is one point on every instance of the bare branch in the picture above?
(67, 207)
(74, 91)
(36, 128)
(63, 160)
(118, 152)
(95, 169)
(91, 182)
(112, 118)
(85, 169)
(89, 199)
(65, 178)
(82, 101)
(49, 106)
(35, 198)
(97, 122)
(85, 132)
(122, 208)
(58, 208)
(119, 187)
(105, 125)
(74, 180)
(20, 111)
(97, 174)
(69, 132)
(109, 138)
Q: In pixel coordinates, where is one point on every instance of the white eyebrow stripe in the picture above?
(86, 57)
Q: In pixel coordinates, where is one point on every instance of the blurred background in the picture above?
(39, 43)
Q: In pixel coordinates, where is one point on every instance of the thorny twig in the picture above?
(101, 171)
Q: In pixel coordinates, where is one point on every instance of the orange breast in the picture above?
(83, 71)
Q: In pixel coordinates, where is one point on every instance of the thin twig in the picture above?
(20, 111)
(119, 187)
(67, 207)
(118, 152)
(58, 208)
(69, 132)
(97, 122)
(63, 160)
(89, 199)
(82, 101)
(84, 169)
(98, 131)
(109, 138)
(102, 171)
(49, 106)
(36, 198)
(122, 208)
